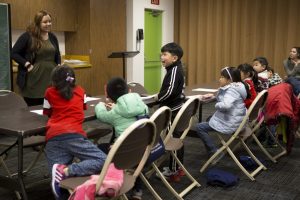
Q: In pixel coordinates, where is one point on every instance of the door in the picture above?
(152, 45)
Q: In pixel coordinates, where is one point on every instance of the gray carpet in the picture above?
(279, 182)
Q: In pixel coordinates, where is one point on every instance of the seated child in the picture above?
(249, 76)
(64, 104)
(230, 108)
(261, 66)
(121, 110)
(273, 77)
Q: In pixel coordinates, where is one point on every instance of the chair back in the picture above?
(137, 88)
(161, 119)
(132, 148)
(258, 105)
(254, 114)
(184, 117)
(11, 101)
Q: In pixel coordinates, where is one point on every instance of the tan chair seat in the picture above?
(174, 144)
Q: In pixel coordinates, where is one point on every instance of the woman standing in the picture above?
(37, 53)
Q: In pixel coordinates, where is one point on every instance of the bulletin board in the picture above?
(5, 48)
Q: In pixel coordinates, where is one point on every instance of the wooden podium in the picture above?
(123, 55)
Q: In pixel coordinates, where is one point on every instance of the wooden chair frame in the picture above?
(131, 164)
(182, 122)
(162, 119)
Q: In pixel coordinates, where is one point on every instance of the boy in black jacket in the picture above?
(171, 95)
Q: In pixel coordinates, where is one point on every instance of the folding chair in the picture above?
(10, 102)
(182, 123)
(129, 152)
(137, 88)
(162, 119)
(255, 124)
(253, 113)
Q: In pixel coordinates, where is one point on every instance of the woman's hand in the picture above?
(30, 68)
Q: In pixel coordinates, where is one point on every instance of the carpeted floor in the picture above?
(279, 182)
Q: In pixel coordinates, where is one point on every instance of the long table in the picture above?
(23, 123)
(19, 124)
(202, 89)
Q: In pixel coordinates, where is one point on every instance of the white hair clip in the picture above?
(69, 78)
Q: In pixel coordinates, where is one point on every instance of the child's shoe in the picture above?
(170, 175)
(58, 175)
(137, 194)
(167, 172)
(174, 178)
(180, 172)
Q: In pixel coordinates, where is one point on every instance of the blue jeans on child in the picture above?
(63, 148)
(202, 131)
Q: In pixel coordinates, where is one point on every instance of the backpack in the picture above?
(217, 177)
(249, 163)
(158, 150)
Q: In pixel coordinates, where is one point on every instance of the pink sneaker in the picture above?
(57, 176)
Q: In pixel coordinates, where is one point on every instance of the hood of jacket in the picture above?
(239, 87)
(130, 105)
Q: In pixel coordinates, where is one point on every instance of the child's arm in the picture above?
(228, 102)
(104, 114)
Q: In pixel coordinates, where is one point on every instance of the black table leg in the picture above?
(20, 167)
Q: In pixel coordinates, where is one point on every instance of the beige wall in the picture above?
(101, 30)
(215, 33)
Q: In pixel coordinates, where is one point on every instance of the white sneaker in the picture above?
(167, 172)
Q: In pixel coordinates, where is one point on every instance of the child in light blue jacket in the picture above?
(230, 108)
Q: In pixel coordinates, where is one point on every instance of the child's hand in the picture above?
(208, 96)
(109, 106)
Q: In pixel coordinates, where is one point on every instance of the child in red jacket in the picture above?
(249, 76)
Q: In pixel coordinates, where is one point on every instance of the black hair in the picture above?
(271, 69)
(116, 87)
(231, 73)
(63, 79)
(262, 61)
(247, 68)
(234, 75)
(298, 51)
(174, 49)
